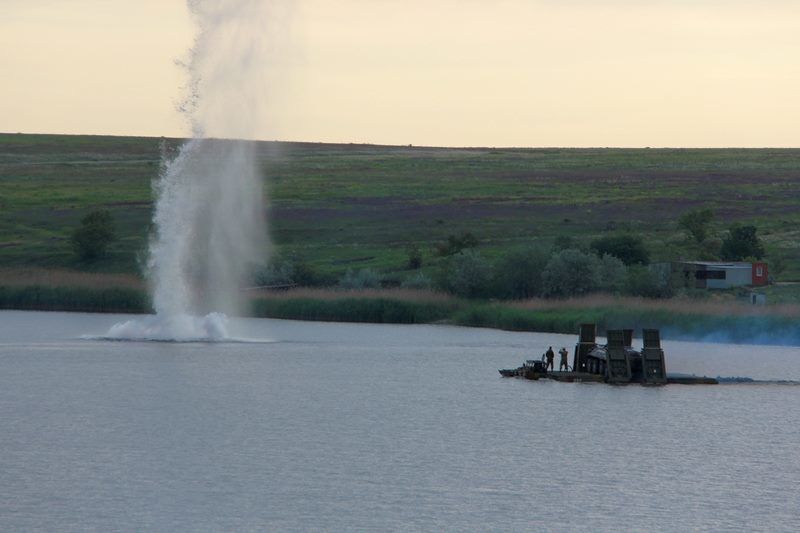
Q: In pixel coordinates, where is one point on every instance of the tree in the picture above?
(570, 273)
(642, 281)
(741, 242)
(777, 263)
(611, 273)
(414, 257)
(417, 281)
(629, 249)
(278, 272)
(456, 243)
(695, 223)
(92, 238)
(564, 242)
(304, 275)
(465, 274)
(518, 275)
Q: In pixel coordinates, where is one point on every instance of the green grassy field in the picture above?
(355, 206)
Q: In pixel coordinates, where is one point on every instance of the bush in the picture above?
(304, 275)
(564, 242)
(465, 274)
(629, 249)
(778, 262)
(92, 238)
(414, 257)
(366, 278)
(291, 272)
(740, 243)
(611, 274)
(278, 272)
(642, 281)
(456, 243)
(417, 281)
(695, 223)
(518, 275)
(569, 273)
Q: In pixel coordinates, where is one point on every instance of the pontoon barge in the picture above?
(616, 362)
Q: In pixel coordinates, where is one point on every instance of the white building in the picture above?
(720, 275)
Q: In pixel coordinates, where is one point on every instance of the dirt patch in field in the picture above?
(386, 210)
(665, 212)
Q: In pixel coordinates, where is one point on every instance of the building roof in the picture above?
(719, 264)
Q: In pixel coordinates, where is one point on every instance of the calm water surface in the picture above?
(345, 427)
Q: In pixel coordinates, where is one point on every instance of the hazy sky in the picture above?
(435, 72)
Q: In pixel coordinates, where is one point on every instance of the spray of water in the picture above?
(209, 229)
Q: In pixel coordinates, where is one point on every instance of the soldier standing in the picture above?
(563, 352)
(550, 357)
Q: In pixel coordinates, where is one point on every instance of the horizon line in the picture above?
(411, 145)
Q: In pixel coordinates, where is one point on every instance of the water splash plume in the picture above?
(209, 228)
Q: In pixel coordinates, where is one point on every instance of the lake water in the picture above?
(344, 427)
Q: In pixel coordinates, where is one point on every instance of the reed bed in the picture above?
(674, 322)
(68, 278)
(85, 299)
(711, 306)
(398, 306)
(64, 290)
(405, 295)
(724, 321)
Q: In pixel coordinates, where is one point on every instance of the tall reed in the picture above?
(100, 300)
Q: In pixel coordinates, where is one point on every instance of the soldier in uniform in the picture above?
(563, 352)
(550, 355)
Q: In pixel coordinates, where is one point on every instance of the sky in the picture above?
(692, 73)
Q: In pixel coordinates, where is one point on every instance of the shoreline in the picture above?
(683, 320)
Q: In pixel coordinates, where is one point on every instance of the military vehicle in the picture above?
(615, 362)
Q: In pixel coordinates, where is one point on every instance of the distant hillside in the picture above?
(354, 206)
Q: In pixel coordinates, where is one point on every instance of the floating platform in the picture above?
(615, 363)
(585, 377)
(572, 377)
